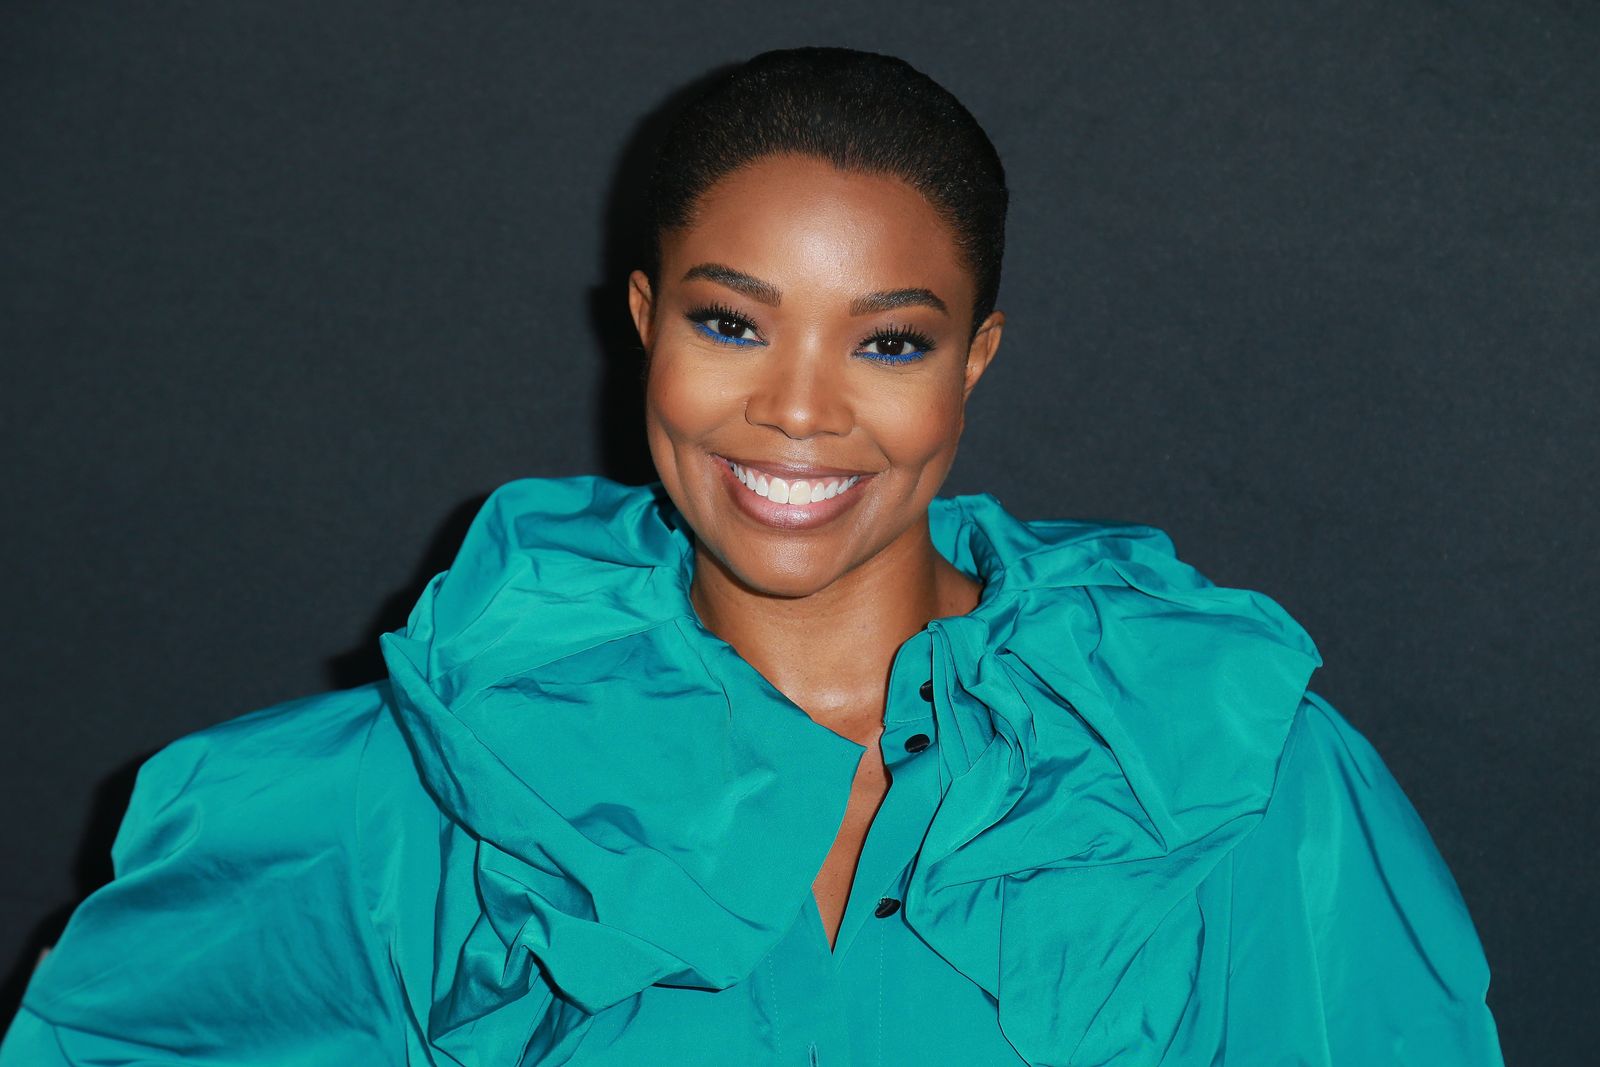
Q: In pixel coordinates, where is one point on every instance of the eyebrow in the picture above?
(889, 299)
(769, 294)
(737, 280)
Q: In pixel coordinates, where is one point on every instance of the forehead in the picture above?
(799, 221)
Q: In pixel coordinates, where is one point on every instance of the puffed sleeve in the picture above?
(1351, 943)
(234, 932)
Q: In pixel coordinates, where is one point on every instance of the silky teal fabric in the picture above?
(575, 827)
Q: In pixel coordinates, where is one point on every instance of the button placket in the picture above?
(903, 717)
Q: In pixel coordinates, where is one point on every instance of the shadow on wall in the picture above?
(91, 869)
(619, 414)
(364, 662)
(624, 456)
(357, 666)
(619, 419)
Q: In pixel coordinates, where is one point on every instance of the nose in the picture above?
(799, 394)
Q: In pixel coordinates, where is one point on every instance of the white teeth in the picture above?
(800, 491)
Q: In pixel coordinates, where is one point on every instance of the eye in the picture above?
(724, 325)
(895, 345)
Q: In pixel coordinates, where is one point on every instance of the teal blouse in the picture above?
(575, 827)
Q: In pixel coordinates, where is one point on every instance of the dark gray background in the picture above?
(287, 287)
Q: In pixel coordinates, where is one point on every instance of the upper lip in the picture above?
(790, 471)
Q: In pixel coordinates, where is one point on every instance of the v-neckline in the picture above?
(891, 844)
(880, 860)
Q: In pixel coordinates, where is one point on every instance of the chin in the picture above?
(788, 571)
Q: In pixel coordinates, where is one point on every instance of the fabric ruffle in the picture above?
(1108, 724)
(1120, 721)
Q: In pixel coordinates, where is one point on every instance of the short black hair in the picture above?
(860, 111)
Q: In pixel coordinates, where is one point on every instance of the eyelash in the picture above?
(700, 316)
(921, 344)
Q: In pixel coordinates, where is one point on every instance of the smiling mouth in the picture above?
(792, 491)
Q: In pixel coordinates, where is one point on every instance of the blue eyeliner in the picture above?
(701, 318)
(904, 357)
(723, 338)
(903, 335)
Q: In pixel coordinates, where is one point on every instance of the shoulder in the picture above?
(1328, 769)
(1333, 794)
(311, 732)
(1339, 888)
(282, 778)
(238, 881)
(1355, 842)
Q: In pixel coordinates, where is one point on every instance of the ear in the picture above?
(980, 353)
(641, 305)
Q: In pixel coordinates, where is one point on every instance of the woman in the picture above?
(785, 760)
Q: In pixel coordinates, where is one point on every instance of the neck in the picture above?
(831, 651)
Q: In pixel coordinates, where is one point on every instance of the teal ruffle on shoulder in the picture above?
(1120, 722)
(1109, 726)
(564, 633)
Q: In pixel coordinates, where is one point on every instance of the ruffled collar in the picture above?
(1109, 724)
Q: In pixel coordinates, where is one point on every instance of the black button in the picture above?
(887, 906)
(926, 692)
(917, 742)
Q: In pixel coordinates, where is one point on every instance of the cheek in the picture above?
(918, 427)
(670, 402)
(684, 401)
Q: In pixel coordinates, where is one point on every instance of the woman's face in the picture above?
(809, 367)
